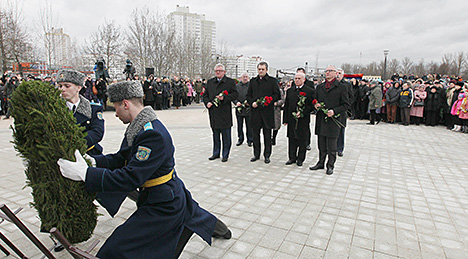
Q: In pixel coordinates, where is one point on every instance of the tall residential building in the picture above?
(194, 27)
(58, 47)
(236, 65)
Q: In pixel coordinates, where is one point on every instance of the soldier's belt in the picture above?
(158, 181)
(91, 147)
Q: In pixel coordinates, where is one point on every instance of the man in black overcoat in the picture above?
(261, 116)
(220, 91)
(341, 138)
(334, 96)
(298, 130)
(243, 112)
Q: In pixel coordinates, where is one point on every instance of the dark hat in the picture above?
(70, 76)
(125, 90)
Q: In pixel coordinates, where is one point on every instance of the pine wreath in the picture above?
(44, 131)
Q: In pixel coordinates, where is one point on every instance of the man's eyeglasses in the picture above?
(219, 70)
(330, 70)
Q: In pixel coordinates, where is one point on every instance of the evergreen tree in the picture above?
(44, 131)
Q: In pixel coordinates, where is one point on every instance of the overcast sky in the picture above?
(289, 33)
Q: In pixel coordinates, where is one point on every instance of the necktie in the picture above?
(74, 108)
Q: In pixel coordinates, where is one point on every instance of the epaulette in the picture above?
(148, 126)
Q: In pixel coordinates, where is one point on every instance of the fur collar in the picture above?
(146, 115)
(84, 107)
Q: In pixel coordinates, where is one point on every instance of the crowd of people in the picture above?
(442, 101)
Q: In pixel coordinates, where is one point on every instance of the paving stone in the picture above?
(374, 206)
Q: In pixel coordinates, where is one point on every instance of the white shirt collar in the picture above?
(70, 105)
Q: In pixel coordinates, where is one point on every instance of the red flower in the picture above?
(225, 92)
(266, 103)
(314, 102)
(302, 94)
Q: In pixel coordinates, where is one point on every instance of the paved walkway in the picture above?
(398, 192)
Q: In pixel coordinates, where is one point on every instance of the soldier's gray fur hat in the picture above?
(71, 76)
(125, 90)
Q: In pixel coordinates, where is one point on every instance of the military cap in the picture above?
(70, 76)
(125, 90)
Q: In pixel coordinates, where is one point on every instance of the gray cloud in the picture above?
(288, 33)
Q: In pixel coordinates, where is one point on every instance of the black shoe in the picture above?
(213, 157)
(308, 148)
(290, 162)
(221, 230)
(253, 159)
(340, 153)
(267, 160)
(370, 123)
(58, 247)
(225, 159)
(273, 141)
(239, 143)
(329, 171)
(299, 163)
(316, 167)
(249, 144)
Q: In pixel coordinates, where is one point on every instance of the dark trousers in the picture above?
(432, 118)
(266, 141)
(373, 116)
(327, 147)
(184, 238)
(405, 115)
(391, 112)
(297, 149)
(363, 106)
(340, 141)
(240, 128)
(226, 135)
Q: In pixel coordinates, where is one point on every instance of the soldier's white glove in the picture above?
(90, 158)
(75, 171)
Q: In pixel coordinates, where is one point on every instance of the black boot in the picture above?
(221, 230)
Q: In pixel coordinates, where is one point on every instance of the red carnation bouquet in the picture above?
(300, 107)
(323, 108)
(216, 100)
(264, 101)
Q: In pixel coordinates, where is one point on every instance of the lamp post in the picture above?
(385, 52)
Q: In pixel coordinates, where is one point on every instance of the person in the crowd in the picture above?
(392, 98)
(417, 107)
(363, 101)
(220, 91)
(148, 90)
(278, 107)
(166, 214)
(354, 102)
(262, 115)
(334, 97)
(341, 137)
(296, 116)
(405, 101)
(178, 91)
(432, 106)
(243, 111)
(166, 93)
(375, 101)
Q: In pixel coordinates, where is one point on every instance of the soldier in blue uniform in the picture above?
(88, 115)
(167, 215)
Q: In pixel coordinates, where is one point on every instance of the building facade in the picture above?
(58, 47)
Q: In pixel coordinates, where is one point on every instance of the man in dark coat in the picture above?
(262, 116)
(166, 214)
(341, 138)
(310, 84)
(148, 90)
(298, 100)
(243, 112)
(335, 97)
(220, 91)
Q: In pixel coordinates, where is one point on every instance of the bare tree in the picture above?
(14, 40)
(446, 66)
(48, 21)
(105, 42)
(139, 43)
(393, 67)
(459, 62)
(406, 65)
(164, 43)
(419, 69)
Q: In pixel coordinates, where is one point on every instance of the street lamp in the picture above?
(385, 52)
